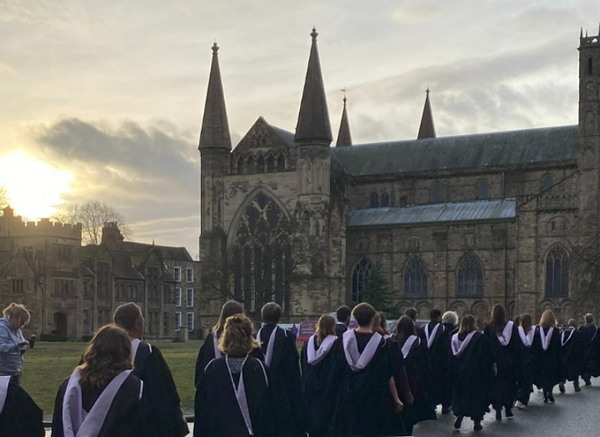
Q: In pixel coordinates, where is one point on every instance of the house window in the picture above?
(557, 272)
(547, 182)
(177, 321)
(374, 200)
(360, 275)
(189, 298)
(483, 190)
(168, 295)
(177, 273)
(64, 287)
(18, 286)
(415, 277)
(64, 253)
(385, 200)
(470, 276)
(177, 296)
(190, 321)
(436, 193)
(189, 274)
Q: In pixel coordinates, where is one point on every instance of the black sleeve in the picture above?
(57, 425)
(201, 409)
(20, 415)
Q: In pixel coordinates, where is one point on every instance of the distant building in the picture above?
(457, 223)
(72, 290)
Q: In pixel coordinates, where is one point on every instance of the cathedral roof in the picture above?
(501, 209)
(478, 151)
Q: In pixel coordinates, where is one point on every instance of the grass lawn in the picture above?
(48, 364)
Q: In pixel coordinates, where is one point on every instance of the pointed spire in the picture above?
(215, 128)
(581, 33)
(427, 129)
(344, 138)
(313, 120)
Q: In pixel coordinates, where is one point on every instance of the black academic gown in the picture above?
(217, 411)
(571, 355)
(20, 415)
(340, 328)
(591, 349)
(504, 384)
(546, 363)
(319, 392)
(285, 382)
(160, 392)
(127, 415)
(472, 378)
(525, 373)
(439, 355)
(446, 389)
(363, 406)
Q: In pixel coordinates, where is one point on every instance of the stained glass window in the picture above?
(415, 277)
(470, 276)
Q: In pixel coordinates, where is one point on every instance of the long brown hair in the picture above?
(325, 327)
(547, 320)
(526, 322)
(237, 339)
(405, 327)
(467, 324)
(229, 309)
(498, 318)
(108, 354)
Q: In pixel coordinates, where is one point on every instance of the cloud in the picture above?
(28, 11)
(416, 12)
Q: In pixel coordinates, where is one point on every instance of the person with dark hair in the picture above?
(279, 349)
(526, 332)
(411, 313)
(343, 320)
(318, 357)
(102, 398)
(19, 414)
(234, 397)
(546, 353)
(366, 385)
(150, 366)
(474, 367)
(418, 372)
(435, 338)
(571, 355)
(504, 338)
(591, 349)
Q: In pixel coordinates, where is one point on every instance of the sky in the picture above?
(103, 100)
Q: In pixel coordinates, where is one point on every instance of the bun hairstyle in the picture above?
(237, 339)
(17, 310)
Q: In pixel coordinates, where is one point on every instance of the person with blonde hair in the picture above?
(234, 397)
(317, 359)
(12, 342)
(546, 353)
(102, 398)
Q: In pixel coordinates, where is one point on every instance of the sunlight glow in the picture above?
(34, 188)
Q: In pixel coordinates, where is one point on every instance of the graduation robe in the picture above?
(318, 388)
(571, 354)
(127, 415)
(591, 349)
(286, 385)
(218, 413)
(19, 414)
(472, 378)
(546, 363)
(362, 407)
(160, 392)
(504, 384)
(439, 354)
(525, 370)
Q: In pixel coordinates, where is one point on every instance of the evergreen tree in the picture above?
(378, 293)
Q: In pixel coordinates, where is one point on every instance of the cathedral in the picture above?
(456, 223)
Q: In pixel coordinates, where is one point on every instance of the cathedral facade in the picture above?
(457, 223)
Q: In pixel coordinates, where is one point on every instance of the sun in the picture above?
(34, 188)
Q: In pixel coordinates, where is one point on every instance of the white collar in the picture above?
(458, 346)
(527, 339)
(546, 337)
(270, 345)
(408, 344)
(431, 337)
(506, 335)
(570, 332)
(354, 358)
(315, 356)
(4, 381)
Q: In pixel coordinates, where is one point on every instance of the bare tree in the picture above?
(4, 199)
(93, 216)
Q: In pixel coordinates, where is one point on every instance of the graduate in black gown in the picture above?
(318, 356)
(591, 349)
(435, 338)
(504, 338)
(418, 372)
(102, 398)
(526, 332)
(279, 348)
(367, 391)
(547, 368)
(343, 320)
(19, 414)
(234, 398)
(450, 324)
(474, 368)
(571, 355)
(150, 366)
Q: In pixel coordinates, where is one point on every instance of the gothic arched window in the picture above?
(385, 200)
(436, 193)
(374, 200)
(547, 182)
(260, 164)
(281, 163)
(557, 272)
(415, 277)
(250, 166)
(262, 255)
(360, 275)
(270, 164)
(469, 276)
(483, 190)
(240, 166)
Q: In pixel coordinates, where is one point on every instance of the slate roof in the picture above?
(166, 252)
(502, 209)
(501, 149)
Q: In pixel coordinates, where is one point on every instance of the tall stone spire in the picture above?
(427, 129)
(313, 120)
(215, 128)
(344, 138)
